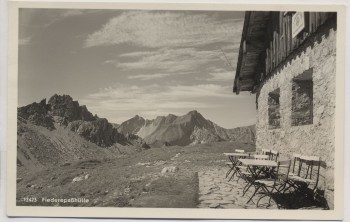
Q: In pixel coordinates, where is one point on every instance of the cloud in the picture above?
(219, 74)
(72, 12)
(148, 100)
(172, 43)
(109, 61)
(179, 60)
(156, 29)
(222, 76)
(24, 41)
(149, 76)
(137, 54)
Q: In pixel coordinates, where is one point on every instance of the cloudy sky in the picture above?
(120, 63)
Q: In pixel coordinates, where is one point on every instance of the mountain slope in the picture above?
(191, 128)
(62, 110)
(38, 146)
(62, 130)
(132, 125)
(244, 134)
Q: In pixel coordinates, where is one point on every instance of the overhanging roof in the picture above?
(251, 47)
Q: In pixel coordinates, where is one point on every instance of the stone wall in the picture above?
(314, 138)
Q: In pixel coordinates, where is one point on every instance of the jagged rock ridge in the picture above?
(64, 111)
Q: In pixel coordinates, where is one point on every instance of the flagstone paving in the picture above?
(215, 191)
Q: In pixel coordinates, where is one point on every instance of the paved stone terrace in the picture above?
(216, 192)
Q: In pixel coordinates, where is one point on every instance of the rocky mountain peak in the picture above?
(132, 125)
(63, 110)
(55, 99)
(138, 118)
(64, 106)
(59, 108)
(193, 113)
(195, 119)
(37, 113)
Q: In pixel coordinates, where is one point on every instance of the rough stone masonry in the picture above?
(306, 137)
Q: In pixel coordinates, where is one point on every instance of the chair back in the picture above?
(274, 154)
(296, 164)
(239, 151)
(310, 168)
(265, 151)
(283, 168)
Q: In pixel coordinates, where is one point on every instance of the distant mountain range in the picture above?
(62, 129)
(191, 128)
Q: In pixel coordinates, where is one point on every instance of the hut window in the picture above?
(302, 99)
(274, 109)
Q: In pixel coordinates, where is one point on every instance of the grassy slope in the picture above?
(40, 146)
(130, 180)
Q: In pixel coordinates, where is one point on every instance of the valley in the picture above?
(158, 177)
(64, 152)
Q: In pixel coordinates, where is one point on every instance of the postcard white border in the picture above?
(108, 212)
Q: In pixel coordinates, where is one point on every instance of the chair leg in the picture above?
(246, 188)
(256, 190)
(257, 203)
(267, 193)
(269, 202)
(287, 187)
(228, 172)
(279, 189)
(239, 175)
(233, 175)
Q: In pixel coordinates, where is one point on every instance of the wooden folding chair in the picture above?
(265, 151)
(296, 165)
(275, 184)
(307, 175)
(247, 175)
(274, 154)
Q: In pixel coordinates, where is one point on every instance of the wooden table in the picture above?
(258, 163)
(234, 157)
(237, 154)
(257, 166)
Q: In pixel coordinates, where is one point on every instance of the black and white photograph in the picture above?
(195, 109)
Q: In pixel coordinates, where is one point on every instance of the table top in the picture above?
(236, 154)
(254, 162)
(260, 156)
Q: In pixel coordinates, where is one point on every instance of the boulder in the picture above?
(145, 146)
(80, 178)
(214, 205)
(170, 169)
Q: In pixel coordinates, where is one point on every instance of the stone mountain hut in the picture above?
(288, 59)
